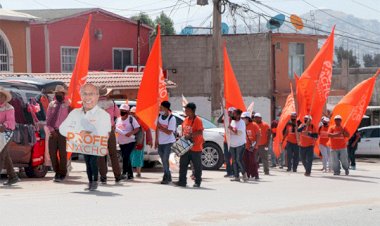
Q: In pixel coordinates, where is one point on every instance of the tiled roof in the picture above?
(6, 14)
(113, 80)
(53, 14)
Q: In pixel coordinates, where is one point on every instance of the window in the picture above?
(122, 58)
(4, 56)
(296, 59)
(68, 57)
(375, 133)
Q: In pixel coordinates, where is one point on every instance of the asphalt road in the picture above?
(279, 199)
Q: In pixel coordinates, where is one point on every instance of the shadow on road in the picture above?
(97, 193)
(347, 178)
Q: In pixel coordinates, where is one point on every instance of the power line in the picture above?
(365, 6)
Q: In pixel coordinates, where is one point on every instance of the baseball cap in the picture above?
(338, 117)
(231, 109)
(124, 107)
(258, 115)
(246, 115)
(133, 110)
(294, 114)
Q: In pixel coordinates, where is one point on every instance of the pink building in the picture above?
(56, 35)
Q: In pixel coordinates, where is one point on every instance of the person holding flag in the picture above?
(165, 138)
(338, 135)
(308, 136)
(227, 153)
(238, 142)
(292, 148)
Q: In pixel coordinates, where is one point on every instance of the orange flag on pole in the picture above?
(149, 94)
(232, 94)
(79, 76)
(314, 84)
(284, 119)
(354, 104)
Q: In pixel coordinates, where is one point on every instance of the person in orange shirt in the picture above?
(251, 147)
(263, 142)
(292, 148)
(308, 136)
(323, 147)
(338, 135)
(192, 129)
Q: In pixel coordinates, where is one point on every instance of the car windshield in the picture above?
(207, 124)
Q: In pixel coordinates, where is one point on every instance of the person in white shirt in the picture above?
(166, 126)
(126, 127)
(238, 139)
(90, 119)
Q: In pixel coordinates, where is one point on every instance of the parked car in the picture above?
(370, 141)
(212, 155)
(21, 155)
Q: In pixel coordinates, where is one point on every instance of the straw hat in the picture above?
(6, 93)
(104, 91)
(60, 89)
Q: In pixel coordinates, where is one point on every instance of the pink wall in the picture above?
(37, 38)
(117, 33)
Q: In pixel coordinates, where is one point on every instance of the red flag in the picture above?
(79, 76)
(149, 96)
(314, 84)
(284, 119)
(354, 104)
(232, 94)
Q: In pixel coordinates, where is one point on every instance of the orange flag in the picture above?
(232, 94)
(79, 76)
(284, 119)
(163, 92)
(354, 104)
(314, 84)
(149, 96)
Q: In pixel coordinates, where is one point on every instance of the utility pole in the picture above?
(216, 68)
(138, 44)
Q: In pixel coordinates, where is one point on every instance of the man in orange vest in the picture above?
(292, 148)
(323, 147)
(308, 136)
(338, 135)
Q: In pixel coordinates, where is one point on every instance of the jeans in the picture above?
(271, 152)
(237, 159)
(164, 152)
(195, 158)
(325, 151)
(337, 157)
(227, 160)
(126, 150)
(263, 155)
(307, 156)
(293, 154)
(281, 159)
(92, 167)
(112, 152)
(351, 155)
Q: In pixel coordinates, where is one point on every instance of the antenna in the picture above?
(276, 22)
(296, 22)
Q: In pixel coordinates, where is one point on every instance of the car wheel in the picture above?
(212, 156)
(36, 171)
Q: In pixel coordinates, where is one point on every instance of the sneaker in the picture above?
(232, 176)
(11, 181)
(124, 176)
(103, 180)
(118, 179)
(294, 171)
(257, 178)
(57, 178)
(196, 185)
(266, 173)
(62, 178)
(94, 186)
(226, 176)
(288, 170)
(281, 167)
(138, 175)
(336, 174)
(236, 179)
(245, 178)
(130, 178)
(307, 174)
(347, 172)
(88, 186)
(180, 184)
(164, 182)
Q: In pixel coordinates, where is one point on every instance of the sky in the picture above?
(186, 12)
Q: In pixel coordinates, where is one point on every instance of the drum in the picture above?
(181, 146)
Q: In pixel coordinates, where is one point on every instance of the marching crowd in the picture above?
(248, 142)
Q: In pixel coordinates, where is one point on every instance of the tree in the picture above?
(341, 54)
(368, 60)
(167, 25)
(144, 18)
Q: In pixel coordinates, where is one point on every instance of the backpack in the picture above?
(175, 130)
(139, 135)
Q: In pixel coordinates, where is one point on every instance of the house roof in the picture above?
(6, 14)
(54, 15)
(113, 80)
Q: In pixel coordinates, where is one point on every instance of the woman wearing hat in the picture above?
(7, 125)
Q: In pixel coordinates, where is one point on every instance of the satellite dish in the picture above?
(188, 30)
(276, 22)
(296, 21)
(225, 28)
